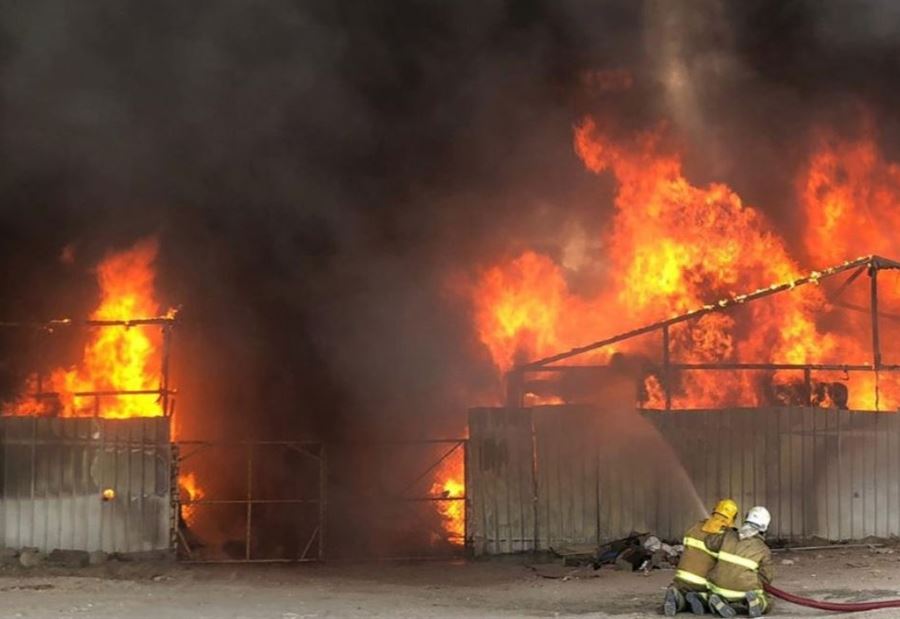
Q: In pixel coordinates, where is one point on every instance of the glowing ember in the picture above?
(675, 247)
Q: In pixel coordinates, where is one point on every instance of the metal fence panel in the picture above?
(500, 481)
(55, 471)
(822, 473)
(567, 484)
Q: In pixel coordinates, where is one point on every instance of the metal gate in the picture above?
(275, 491)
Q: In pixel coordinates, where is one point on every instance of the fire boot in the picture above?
(695, 601)
(722, 608)
(674, 602)
(756, 604)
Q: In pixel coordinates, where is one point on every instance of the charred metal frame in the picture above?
(317, 451)
(867, 264)
(311, 449)
(165, 392)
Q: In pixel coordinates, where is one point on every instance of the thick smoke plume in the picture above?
(323, 175)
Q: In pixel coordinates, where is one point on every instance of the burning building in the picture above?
(786, 395)
(93, 458)
(87, 450)
(373, 214)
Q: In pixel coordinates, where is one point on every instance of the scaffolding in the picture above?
(870, 265)
(164, 392)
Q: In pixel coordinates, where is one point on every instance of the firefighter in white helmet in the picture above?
(744, 565)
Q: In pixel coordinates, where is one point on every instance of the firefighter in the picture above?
(701, 543)
(744, 566)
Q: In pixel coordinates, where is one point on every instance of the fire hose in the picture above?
(840, 607)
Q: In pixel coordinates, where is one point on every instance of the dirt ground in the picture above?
(497, 588)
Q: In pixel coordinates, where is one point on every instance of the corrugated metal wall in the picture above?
(567, 490)
(500, 482)
(54, 471)
(594, 475)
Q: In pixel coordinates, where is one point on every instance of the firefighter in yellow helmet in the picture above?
(701, 545)
(744, 566)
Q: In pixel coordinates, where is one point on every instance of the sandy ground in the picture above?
(497, 588)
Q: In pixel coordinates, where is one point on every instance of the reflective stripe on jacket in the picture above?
(698, 558)
(744, 565)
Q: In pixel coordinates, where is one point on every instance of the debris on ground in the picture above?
(638, 552)
(31, 557)
(69, 558)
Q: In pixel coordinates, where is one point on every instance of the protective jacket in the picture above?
(698, 558)
(743, 566)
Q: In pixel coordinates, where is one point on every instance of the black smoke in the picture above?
(319, 173)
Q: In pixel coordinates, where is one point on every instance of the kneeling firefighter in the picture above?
(744, 566)
(701, 545)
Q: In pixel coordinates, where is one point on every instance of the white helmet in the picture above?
(759, 517)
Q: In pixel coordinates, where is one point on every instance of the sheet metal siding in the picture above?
(500, 481)
(55, 469)
(822, 473)
(567, 483)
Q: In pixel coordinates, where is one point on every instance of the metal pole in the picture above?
(876, 343)
(667, 388)
(249, 499)
(465, 447)
(164, 374)
(175, 532)
(323, 501)
(807, 385)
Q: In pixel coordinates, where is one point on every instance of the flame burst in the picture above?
(190, 491)
(674, 247)
(452, 513)
(115, 358)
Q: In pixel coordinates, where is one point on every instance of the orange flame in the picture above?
(674, 247)
(452, 513)
(115, 358)
(190, 490)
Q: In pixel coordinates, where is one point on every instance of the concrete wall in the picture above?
(55, 470)
(551, 476)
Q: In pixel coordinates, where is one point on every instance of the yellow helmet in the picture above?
(727, 508)
(722, 517)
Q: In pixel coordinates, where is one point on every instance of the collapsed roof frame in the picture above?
(867, 264)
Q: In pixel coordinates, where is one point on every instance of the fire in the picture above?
(674, 247)
(190, 490)
(452, 513)
(115, 358)
(525, 307)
